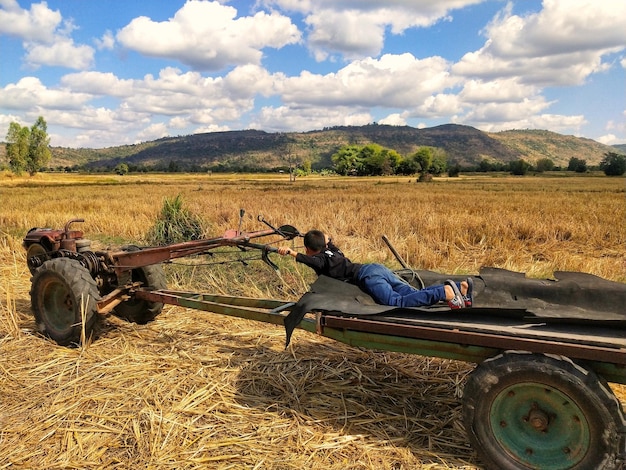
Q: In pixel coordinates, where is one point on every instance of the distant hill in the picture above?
(253, 149)
(258, 150)
(536, 144)
(620, 148)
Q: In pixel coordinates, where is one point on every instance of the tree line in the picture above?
(28, 150)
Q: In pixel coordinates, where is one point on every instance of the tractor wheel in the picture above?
(152, 278)
(34, 249)
(64, 300)
(529, 411)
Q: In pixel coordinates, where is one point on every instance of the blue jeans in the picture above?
(388, 289)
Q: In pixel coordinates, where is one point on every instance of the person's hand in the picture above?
(284, 250)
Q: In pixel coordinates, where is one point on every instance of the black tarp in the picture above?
(569, 297)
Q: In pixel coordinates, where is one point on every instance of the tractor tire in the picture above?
(152, 278)
(34, 249)
(533, 411)
(64, 300)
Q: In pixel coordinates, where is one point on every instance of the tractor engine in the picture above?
(43, 244)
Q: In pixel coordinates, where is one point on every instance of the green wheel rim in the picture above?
(59, 305)
(540, 427)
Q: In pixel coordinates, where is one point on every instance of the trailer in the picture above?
(545, 349)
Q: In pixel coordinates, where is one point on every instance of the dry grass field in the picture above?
(198, 390)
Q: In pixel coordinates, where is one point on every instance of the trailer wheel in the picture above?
(141, 311)
(531, 411)
(62, 294)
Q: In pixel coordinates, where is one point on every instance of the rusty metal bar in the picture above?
(436, 348)
(490, 340)
(263, 310)
(125, 260)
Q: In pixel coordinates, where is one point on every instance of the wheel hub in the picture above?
(538, 419)
(539, 426)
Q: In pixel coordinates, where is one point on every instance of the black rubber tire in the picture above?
(152, 278)
(533, 411)
(62, 291)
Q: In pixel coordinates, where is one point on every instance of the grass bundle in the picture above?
(175, 224)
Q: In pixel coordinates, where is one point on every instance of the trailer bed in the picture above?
(344, 313)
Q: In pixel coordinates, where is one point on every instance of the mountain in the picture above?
(253, 149)
(536, 144)
(250, 150)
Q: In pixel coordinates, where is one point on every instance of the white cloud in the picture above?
(284, 118)
(63, 52)
(553, 122)
(249, 80)
(507, 112)
(38, 24)
(45, 36)
(210, 128)
(98, 83)
(356, 28)
(29, 93)
(392, 81)
(439, 105)
(561, 27)
(498, 90)
(153, 132)
(561, 45)
(614, 127)
(608, 139)
(106, 42)
(354, 34)
(394, 119)
(178, 122)
(207, 35)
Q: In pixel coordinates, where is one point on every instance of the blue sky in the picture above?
(106, 73)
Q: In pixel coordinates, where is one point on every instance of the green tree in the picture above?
(613, 164)
(424, 158)
(121, 169)
(408, 166)
(577, 165)
(17, 147)
(484, 166)
(454, 170)
(519, 167)
(38, 147)
(378, 160)
(544, 164)
(439, 163)
(28, 149)
(346, 160)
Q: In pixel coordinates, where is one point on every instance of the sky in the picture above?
(116, 72)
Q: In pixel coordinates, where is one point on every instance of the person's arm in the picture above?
(316, 262)
(285, 250)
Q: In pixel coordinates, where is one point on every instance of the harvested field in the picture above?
(199, 390)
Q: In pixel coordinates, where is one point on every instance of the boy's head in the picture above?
(314, 241)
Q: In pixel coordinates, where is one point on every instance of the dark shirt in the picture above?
(332, 263)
